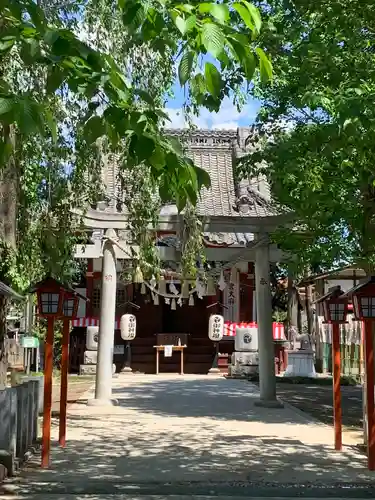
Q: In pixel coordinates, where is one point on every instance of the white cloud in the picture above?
(228, 116)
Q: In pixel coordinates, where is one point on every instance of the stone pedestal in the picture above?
(243, 364)
(242, 371)
(92, 369)
(300, 364)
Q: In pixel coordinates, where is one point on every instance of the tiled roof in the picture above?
(216, 151)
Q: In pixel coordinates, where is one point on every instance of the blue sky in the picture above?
(227, 118)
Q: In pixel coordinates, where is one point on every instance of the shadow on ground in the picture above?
(317, 401)
(179, 432)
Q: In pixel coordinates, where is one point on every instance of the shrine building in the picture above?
(231, 252)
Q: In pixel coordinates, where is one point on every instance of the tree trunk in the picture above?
(8, 220)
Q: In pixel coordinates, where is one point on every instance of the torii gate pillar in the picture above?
(103, 384)
(267, 379)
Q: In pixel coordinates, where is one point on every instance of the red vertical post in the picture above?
(64, 382)
(337, 410)
(369, 360)
(47, 404)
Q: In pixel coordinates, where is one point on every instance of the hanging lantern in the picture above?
(191, 300)
(173, 304)
(233, 275)
(222, 284)
(210, 290)
(156, 299)
(185, 290)
(143, 289)
(138, 275)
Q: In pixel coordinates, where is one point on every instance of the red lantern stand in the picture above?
(69, 312)
(363, 297)
(54, 302)
(50, 295)
(335, 309)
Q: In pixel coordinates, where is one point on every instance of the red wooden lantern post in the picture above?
(363, 297)
(335, 308)
(69, 312)
(50, 295)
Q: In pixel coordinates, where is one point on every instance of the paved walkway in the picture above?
(197, 434)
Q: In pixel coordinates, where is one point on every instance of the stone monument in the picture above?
(90, 356)
(245, 359)
(301, 361)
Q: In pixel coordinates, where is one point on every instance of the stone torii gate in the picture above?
(260, 251)
(239, 209)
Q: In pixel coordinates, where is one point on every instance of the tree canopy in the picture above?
(79, 79)
(318, 117)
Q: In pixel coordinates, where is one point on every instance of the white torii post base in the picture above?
(300, 364)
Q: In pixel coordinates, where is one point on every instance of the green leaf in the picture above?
(175, 145)
(266, 72)
(220, 12)
(181, 24)
(185, 66)
(144, 147)
(205, 7)
(245, 57)
(213, 79)
(94, 128)
(30, 116)
(186, 8)
(181, 201)
(157, 159)
(245, 15)
(55, 78)
(254, 12)
(6, 105)
(213, 39)
(191, 22)
(51, 122)
(6, 45)
(145, 96)
(37, 15)
(203, 177)
(50, 36)
(134, 15)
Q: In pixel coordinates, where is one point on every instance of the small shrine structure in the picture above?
(238, 218)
